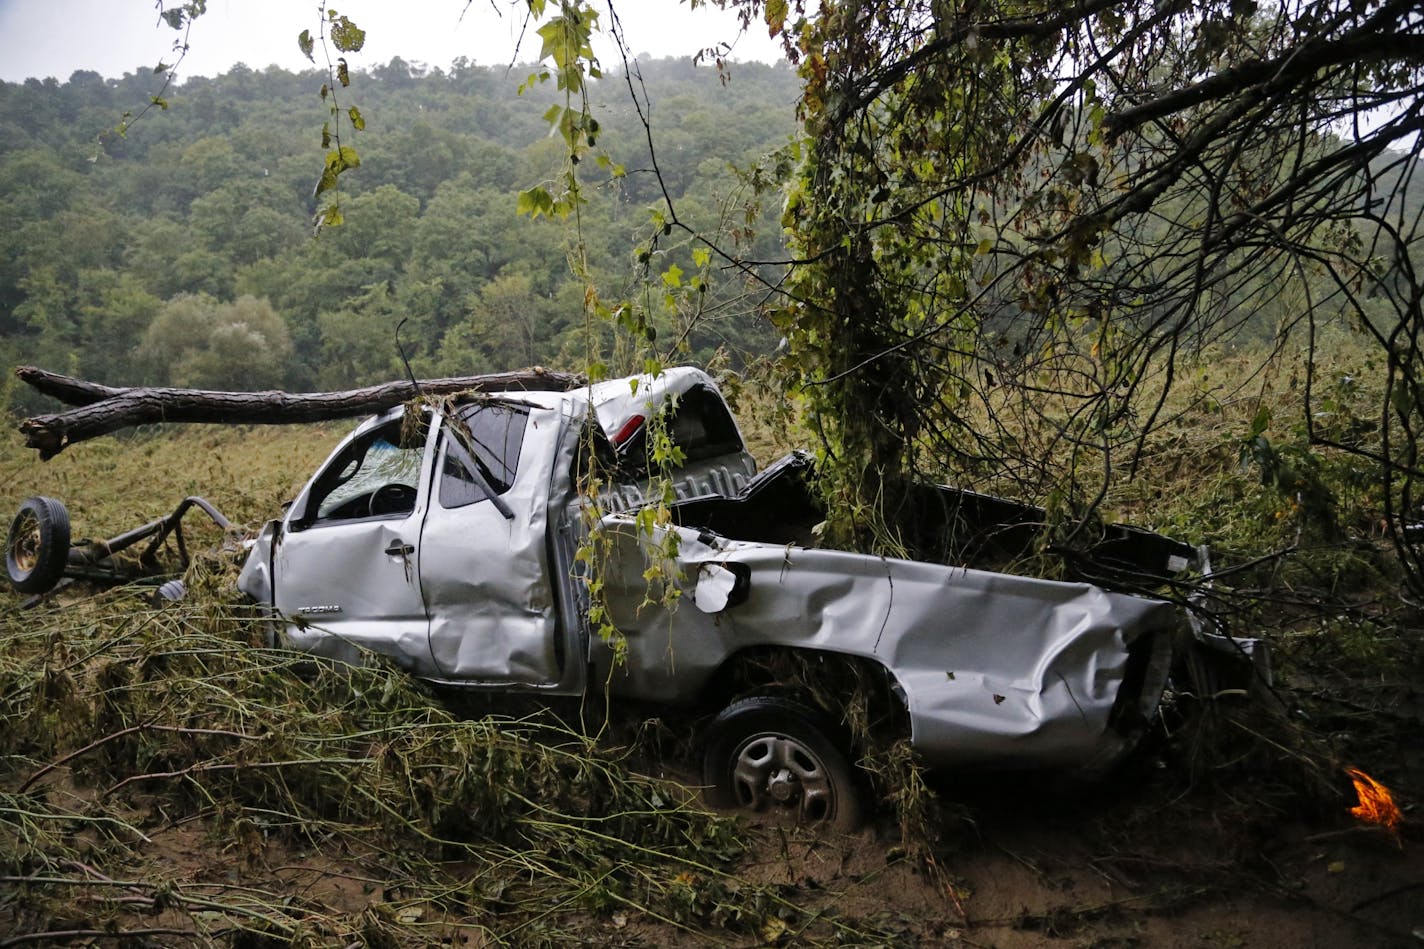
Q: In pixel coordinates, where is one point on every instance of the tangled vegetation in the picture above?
(132, 729)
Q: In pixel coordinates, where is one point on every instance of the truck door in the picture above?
(484, 553)
(344, 567)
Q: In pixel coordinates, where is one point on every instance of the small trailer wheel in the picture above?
(37, 548)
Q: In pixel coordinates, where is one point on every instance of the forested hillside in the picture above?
(182, 251)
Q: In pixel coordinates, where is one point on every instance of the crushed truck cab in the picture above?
(449, 543)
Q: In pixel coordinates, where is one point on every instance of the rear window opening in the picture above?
(700, 424)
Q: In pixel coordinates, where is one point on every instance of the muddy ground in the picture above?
(1137, 862)
(1156, 855)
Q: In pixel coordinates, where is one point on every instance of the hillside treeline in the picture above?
(182, 251)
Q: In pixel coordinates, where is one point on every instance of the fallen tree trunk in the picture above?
(102, 410)
(67, 389)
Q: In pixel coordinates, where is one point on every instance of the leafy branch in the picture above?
(345, 37)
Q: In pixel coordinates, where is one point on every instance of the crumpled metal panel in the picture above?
(615, 401)
(255, 579)
(335, 585)
(340, 592)
(995, 668)
(486, 580)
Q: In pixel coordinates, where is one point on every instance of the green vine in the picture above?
(346, 37)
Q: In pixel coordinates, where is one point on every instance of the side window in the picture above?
(480, 448)
(375, 476)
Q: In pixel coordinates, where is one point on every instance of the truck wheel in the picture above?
(37, 548)
(772, 755)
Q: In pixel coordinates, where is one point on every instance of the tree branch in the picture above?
(103, 410)
(1367, 43)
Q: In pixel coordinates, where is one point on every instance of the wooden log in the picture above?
(102, 410)
(67, 389)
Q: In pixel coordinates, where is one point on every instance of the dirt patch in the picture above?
(1149, 859)
(1141, 861)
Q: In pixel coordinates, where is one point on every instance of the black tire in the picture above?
(37, 548)
(773, 755)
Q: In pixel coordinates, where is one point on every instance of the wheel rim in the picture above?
(774, 772)
(25, 542)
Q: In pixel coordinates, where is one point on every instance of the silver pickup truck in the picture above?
(449, 544)
(449, 540)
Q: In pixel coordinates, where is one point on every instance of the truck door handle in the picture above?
(399, 548)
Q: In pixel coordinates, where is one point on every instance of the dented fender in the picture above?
(995, 669)
(255, 579)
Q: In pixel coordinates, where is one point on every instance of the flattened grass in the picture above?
(115, 483)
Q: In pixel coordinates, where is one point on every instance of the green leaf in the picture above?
(174, 18)
(343, 75)
(329, 216)
(672, 277)
(338, 161)
(347, 36)
(534, 202)
(326, 135)
(1260, 423)
(306, 44)
(774, 13)
(701, 256)
(358, 121)
(160, 102)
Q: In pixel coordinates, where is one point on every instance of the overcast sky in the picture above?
(111, 37)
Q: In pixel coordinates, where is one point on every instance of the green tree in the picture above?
(379, 229)
(246, 221)
(999, 208)
(199, 342)
(206, 165)
(115, 312)
(358, 341)
(36, 185)
(501, 328)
